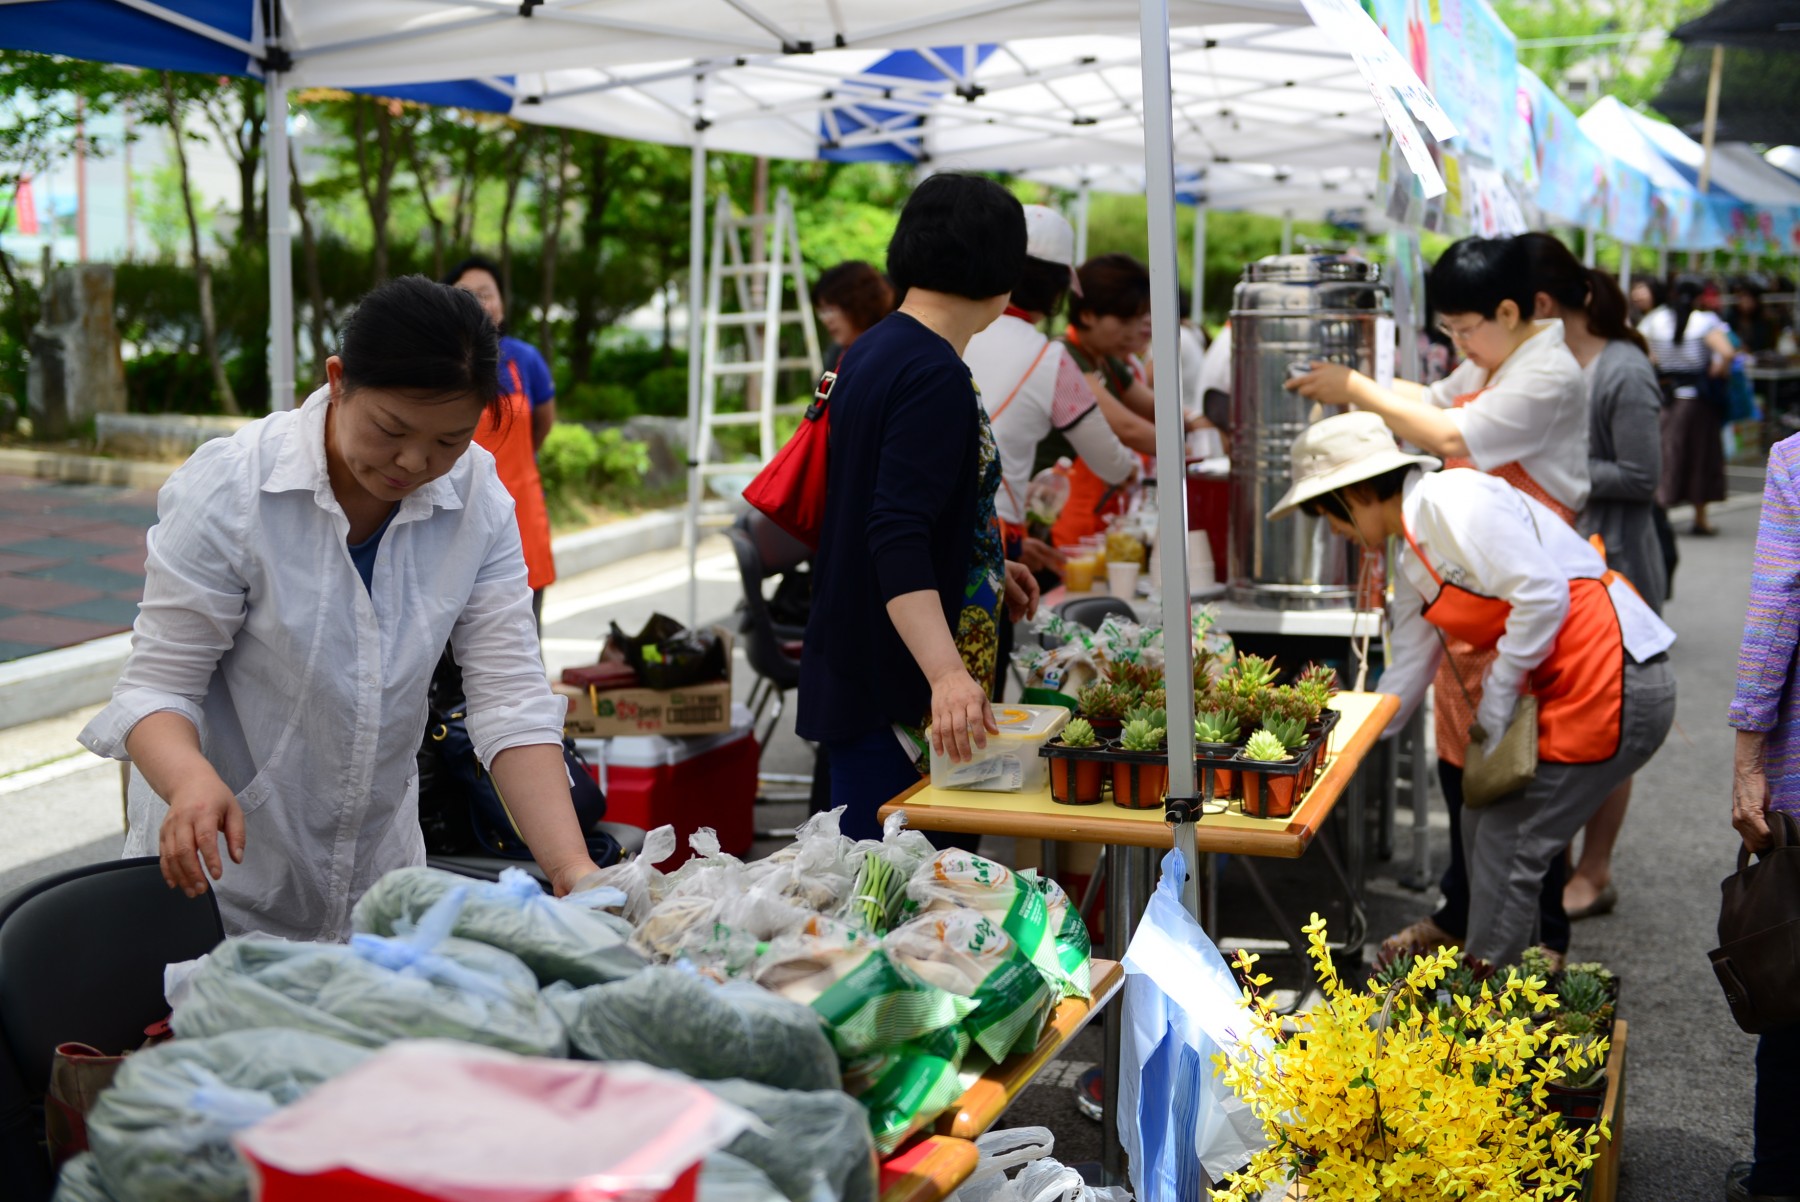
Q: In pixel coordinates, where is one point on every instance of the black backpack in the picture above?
(461, 811)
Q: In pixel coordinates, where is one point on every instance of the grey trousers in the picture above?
(1510, 843)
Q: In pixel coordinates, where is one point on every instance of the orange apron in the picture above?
(1088, 506)
(1580, 687)
(507, 434)
(1453, 711)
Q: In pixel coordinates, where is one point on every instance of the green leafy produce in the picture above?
(1079, 733)
(1139, 735)
(1217, 726)
(1266, 747)
(1291, 731)
(810, 1143)
(879, 898)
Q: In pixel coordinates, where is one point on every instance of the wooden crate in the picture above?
(1605, 1180)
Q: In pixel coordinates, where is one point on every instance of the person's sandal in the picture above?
(1422, 936)
(1604, 902)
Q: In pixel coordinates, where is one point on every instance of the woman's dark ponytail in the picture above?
(1608, 312)
(1556, 272)
(413, 335)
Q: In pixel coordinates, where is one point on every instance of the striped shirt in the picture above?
(1766, 699)
(1686, 355)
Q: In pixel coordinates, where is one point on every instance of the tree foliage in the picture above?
(1629, 52)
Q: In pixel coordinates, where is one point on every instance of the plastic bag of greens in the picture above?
(967, 955)
(712, 872)
(811, 1143)
(569, 939)
(687, 924)
(728, 1178)
(80, 1182)
(162, 1131)
(868, 1003)
(962, 878)
(879, 900)
(816, 870)
(637, 878)
(673, 1019)
(1074, 947)
(376, 990)
(902, 1091)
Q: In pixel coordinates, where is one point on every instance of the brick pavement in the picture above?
(71, 562)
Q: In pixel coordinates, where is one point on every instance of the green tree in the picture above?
(1626, 47)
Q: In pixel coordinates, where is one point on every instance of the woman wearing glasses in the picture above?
(1515, 408)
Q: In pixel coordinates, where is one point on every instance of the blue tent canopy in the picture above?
(108, 32)
(954, 65)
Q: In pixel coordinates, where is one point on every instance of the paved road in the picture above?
(1690, 1078)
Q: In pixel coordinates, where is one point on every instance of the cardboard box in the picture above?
(702, 709)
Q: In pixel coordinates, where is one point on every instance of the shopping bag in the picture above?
(431, 1119)
(1758, 957)
(78, 1074)
(791, 490)
(1181, 1126)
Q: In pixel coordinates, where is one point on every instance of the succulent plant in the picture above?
(1217, 726)
(1316, 686)
(1104, 699)
(1156, 698)
(1291, 731)
(1536, 962)
(1266, 747)
(1154, 715)
(1251, 673)
(1583, 993)
(1079, 733)
(1139, 735)
(1594, 968)
(1140, 677)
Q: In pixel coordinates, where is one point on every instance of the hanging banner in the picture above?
(1561, 169)
(1467, 58)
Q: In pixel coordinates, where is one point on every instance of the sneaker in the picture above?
(1090, 1094)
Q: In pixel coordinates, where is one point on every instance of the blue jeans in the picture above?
(868, 772)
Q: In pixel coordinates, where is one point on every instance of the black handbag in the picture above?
(1758, 957)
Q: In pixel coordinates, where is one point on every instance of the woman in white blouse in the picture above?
(1483, 562)
(1692, 349)
(303, 578)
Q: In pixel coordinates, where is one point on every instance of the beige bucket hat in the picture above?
(1343, 450)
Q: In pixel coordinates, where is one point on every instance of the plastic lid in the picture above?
(1030, 721)
(1303, 269)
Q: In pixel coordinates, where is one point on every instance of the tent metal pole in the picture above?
(1081, 224)
(1171, 437)
(1711, 128)
(1198, 295)
(281, 242)
(1590, 248)
(1662, 263)
(1625, 269)
(1287, 233)
(696, 290)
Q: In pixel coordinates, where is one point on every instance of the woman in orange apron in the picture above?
(515, 429)
(1486, 564)
(1516, 407)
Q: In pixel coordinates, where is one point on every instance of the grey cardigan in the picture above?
(1624, 465)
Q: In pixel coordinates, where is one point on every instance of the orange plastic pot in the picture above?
(1076, 782)
(1269, 794)
(1139, 786)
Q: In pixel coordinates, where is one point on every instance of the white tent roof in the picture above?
(1285, 96)
(1309, 194)
(1736, 169)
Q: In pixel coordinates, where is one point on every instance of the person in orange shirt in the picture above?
(516, 429)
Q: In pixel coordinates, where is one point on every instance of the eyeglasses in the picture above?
(1464, 333)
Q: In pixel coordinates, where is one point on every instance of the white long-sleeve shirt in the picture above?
(309, 691)
(1480, 532)
(1533, 411)
(1052, 395)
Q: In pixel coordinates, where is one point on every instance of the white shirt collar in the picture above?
(1548, 338)
(300, 467)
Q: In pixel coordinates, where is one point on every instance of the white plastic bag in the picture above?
(637, 877)
(1039, 1179)
(1180, 1125)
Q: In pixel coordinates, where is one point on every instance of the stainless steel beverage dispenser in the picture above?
(1291, 309)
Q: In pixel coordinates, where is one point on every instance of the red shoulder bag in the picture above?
(791, 489)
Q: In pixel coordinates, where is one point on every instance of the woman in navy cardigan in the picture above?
(911, 581)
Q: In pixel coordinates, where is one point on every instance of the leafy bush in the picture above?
(630, 360)
(664, 392)
(597, 402)
(581, 466)
(568, 459)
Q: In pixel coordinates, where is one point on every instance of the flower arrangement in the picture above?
(1411, 1091)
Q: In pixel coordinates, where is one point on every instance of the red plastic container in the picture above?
(687, 783)
(347, 1185)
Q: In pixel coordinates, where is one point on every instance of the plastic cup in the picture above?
(1078, 574)
(1122, 579)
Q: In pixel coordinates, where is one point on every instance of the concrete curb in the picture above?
(55, 682)
(85, 469)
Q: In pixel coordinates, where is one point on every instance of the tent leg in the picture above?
(1081, 224)
(1625, 270)
(696, 285)
(1198, 295)
(1287, 233)
(1159, 176)
(1711, 129)
(281, 241)
(1662, 263)
(1590, 248)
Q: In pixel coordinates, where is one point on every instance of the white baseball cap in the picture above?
(1341, 451)
(1050, 237)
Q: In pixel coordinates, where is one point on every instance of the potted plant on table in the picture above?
(1216, 735)
(1315, 688)
(1267, 794)
(1105, 704)
(1076, 781)
(1137, 784)
(1390, 1091)
(1291, 730)
(1132, 674)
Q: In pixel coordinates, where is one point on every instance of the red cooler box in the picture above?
(686, 783)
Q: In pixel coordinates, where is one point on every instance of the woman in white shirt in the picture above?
(1691, 347)
(303, 578)
(1483, 562)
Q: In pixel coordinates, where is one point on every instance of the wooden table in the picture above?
(931, 1168)
(1036, 816)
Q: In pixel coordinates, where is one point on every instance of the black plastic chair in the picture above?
(763, 550)
(489, 868)
(82, 954)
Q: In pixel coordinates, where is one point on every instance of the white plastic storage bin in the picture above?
(1010, 762)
